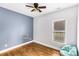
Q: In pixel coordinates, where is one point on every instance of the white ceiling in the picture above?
(50, 7)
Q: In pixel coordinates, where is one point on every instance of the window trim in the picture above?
(56, 20)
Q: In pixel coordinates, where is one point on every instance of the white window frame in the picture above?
(56, 20)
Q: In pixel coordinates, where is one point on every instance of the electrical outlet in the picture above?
(6, 45)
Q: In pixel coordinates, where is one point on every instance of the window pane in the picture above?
(59, 25)
(59, 36)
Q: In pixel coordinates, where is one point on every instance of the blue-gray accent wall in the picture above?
(15, 28)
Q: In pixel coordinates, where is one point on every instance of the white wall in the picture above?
(78, 32)
(43, 27)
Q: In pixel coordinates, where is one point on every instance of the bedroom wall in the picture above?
(43, 27)
(13, 28)
(78, 32)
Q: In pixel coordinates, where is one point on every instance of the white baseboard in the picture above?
(46, 45)
(8, 49)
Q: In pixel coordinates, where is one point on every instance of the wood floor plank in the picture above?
(32, 49)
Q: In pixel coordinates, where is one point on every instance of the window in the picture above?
(59, 31)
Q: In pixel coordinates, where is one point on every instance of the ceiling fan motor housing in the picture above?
(36, 5)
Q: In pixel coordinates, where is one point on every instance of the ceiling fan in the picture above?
(36, 7)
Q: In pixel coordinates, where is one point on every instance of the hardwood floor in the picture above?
(32, 49)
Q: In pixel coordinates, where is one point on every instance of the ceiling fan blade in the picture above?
(42, 7)
(32, 10)
(29, 6)
(39, 10)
